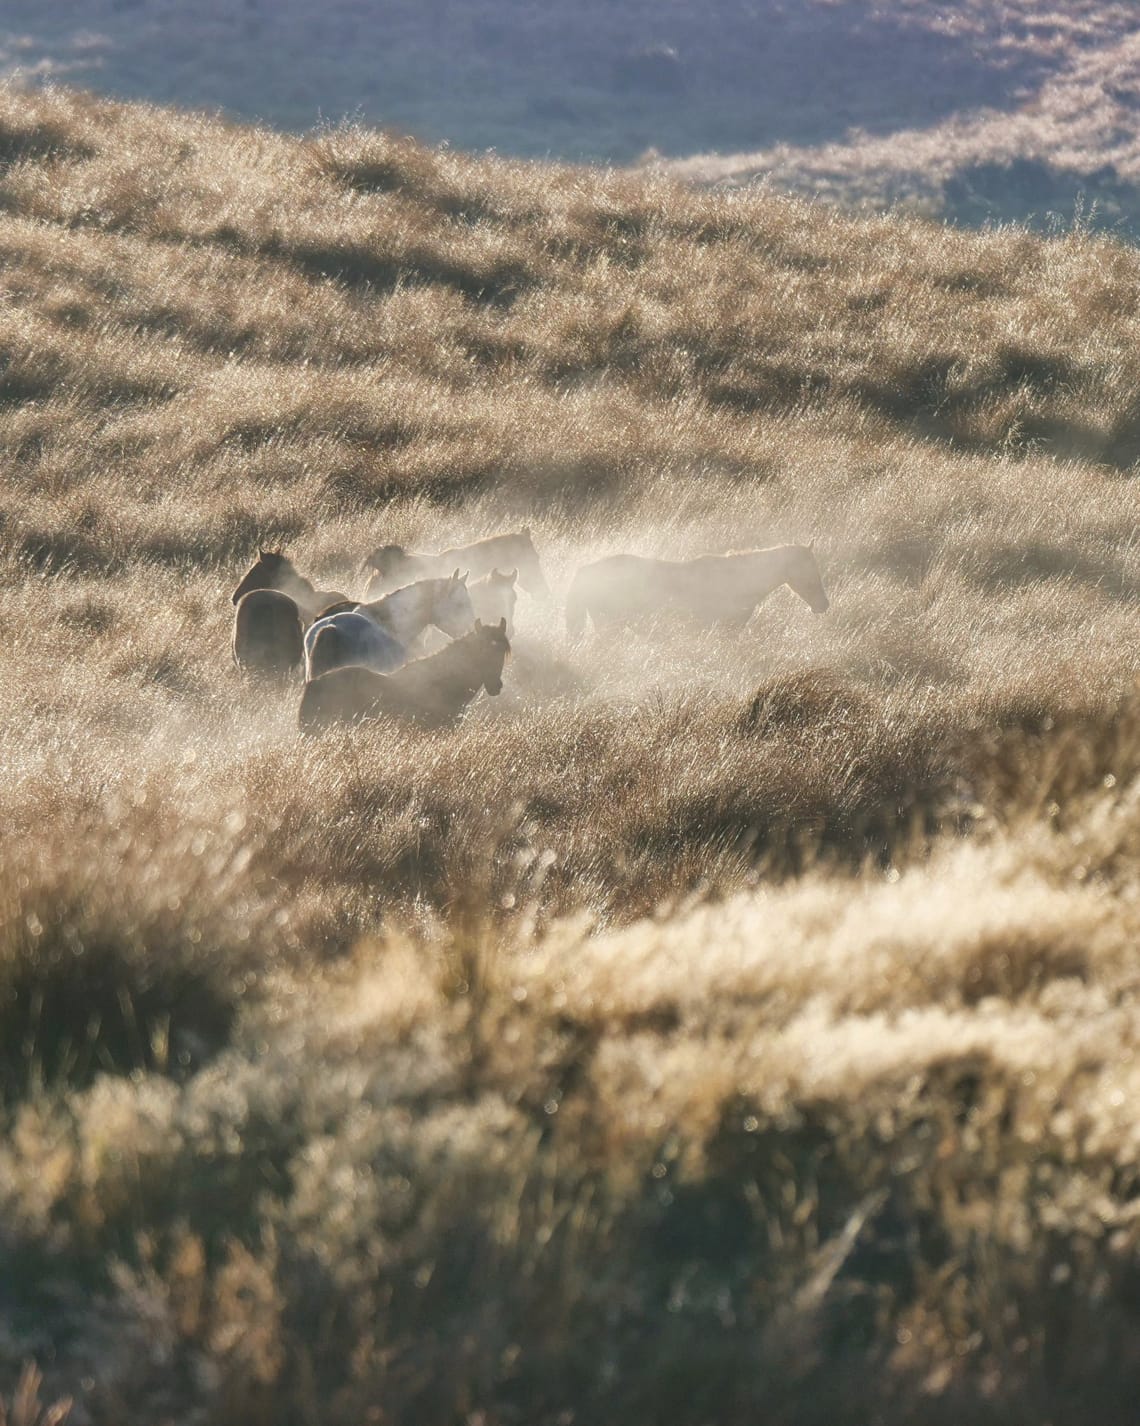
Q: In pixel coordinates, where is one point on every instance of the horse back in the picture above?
(411, 569)
(432, 691)
(341, 696)
(622, 585)
(514, 550)
(350, 637)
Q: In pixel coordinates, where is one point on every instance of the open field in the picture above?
(714, 1027)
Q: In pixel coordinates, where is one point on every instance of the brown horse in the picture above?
(268, 634)
(273, 570)
(711, 588)
(430, 692)
(392, 565)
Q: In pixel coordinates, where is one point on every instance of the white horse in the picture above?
(711, 588)
(407, 612)
(382, 634)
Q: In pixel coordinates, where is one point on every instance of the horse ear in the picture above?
(466, 572)
(503, 625)
(455, 576)
(811, 544)
(512, 577)
(261, 554)
(478, 625)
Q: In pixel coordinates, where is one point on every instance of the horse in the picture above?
(711, 588)
(406, 612)
(273, 570)
(392, 565)
(431, 692)
(349, 637)
(268, 633)
(379, 635)
(495, 597)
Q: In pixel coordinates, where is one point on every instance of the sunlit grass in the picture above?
(718, 1025)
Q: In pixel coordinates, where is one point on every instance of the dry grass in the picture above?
(714, 1026)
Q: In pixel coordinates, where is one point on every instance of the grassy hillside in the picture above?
(715, 1026)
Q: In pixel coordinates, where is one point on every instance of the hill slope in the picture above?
(719, 1023)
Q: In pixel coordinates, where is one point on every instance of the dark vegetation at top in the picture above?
(603, 81)
(593, 80)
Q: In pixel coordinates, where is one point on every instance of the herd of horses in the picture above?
(362, 658)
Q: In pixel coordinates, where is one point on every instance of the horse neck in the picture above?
(405, 611)
(453, 671)
(296, 586)
(768, 569)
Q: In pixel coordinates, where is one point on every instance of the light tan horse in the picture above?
(273, 570)
(392, 565)
(495, 597)
(431, 692)
(711, 588)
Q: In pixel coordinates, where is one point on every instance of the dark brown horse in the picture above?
(268, 634)
(273, 570)
(391, 565)
(430, 692)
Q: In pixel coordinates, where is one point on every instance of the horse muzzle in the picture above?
(494, 689)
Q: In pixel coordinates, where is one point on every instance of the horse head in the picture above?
(499, 596)
(271, 570)
(804, 577)
(452, 610)
(529, 572)
(493, 650)
(384, 560)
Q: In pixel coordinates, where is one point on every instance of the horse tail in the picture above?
(576, 607)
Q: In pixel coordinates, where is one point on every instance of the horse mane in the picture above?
(385, 555)
(458, 651)
(768, 549)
